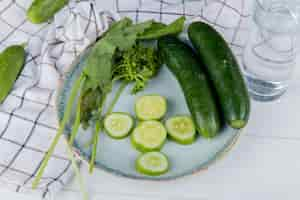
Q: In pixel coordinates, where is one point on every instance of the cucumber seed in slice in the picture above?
(181, 129)
(152, 163)
(150, 107)
(118, 125)
(149, 136)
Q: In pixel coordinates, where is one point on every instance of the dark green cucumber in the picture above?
(41, 11)
(182, 61)
(11, 64)
(223, 69)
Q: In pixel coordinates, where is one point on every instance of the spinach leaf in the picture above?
(126, 37)
(90, 100)
(98, 66)
(117, 26)
(12, 60)
(136, 64)
(158, 30)
(41, 11)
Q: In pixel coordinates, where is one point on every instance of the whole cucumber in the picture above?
(11, 63)
(182, 61)
(223, 69)
(41, 11)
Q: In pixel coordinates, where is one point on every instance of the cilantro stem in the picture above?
(95, 145)
(77, 172)
(67, 114)
(117, 96)
(76, 124)
(98, 127)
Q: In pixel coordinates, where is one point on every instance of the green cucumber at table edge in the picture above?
(184, 64)
(12, 60)
(41, 11)
(223, 69)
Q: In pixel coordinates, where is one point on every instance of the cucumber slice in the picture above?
(152, 163)
(150, 107)
(118, 125)
(149, 136)
(181, 129)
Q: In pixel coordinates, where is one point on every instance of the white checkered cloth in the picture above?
(28, 119)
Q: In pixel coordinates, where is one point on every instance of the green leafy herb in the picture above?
(90, 100)
(116, 56)
(125, 38)
(63, 123)
(98, 66)
(41, 11)
(11, 64)
(138, 64)
(159, 30)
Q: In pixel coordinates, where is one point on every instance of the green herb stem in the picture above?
(117, 96)
(98, 127)
(63, 123)
(76, 124)
(77, 172)
(95, 145)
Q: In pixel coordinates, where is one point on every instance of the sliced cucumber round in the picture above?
(181, 129)
(152, 163)
(150, 107)
(149, 136)
(118, 125)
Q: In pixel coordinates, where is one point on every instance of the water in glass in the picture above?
(270, 55)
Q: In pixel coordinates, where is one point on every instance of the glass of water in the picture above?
(270, 54)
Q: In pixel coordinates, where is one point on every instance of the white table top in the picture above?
(264, 164)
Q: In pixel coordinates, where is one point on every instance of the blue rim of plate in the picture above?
(85, 158)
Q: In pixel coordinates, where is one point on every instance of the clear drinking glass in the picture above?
(270, 54)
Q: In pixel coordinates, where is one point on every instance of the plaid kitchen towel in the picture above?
(28, 120)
